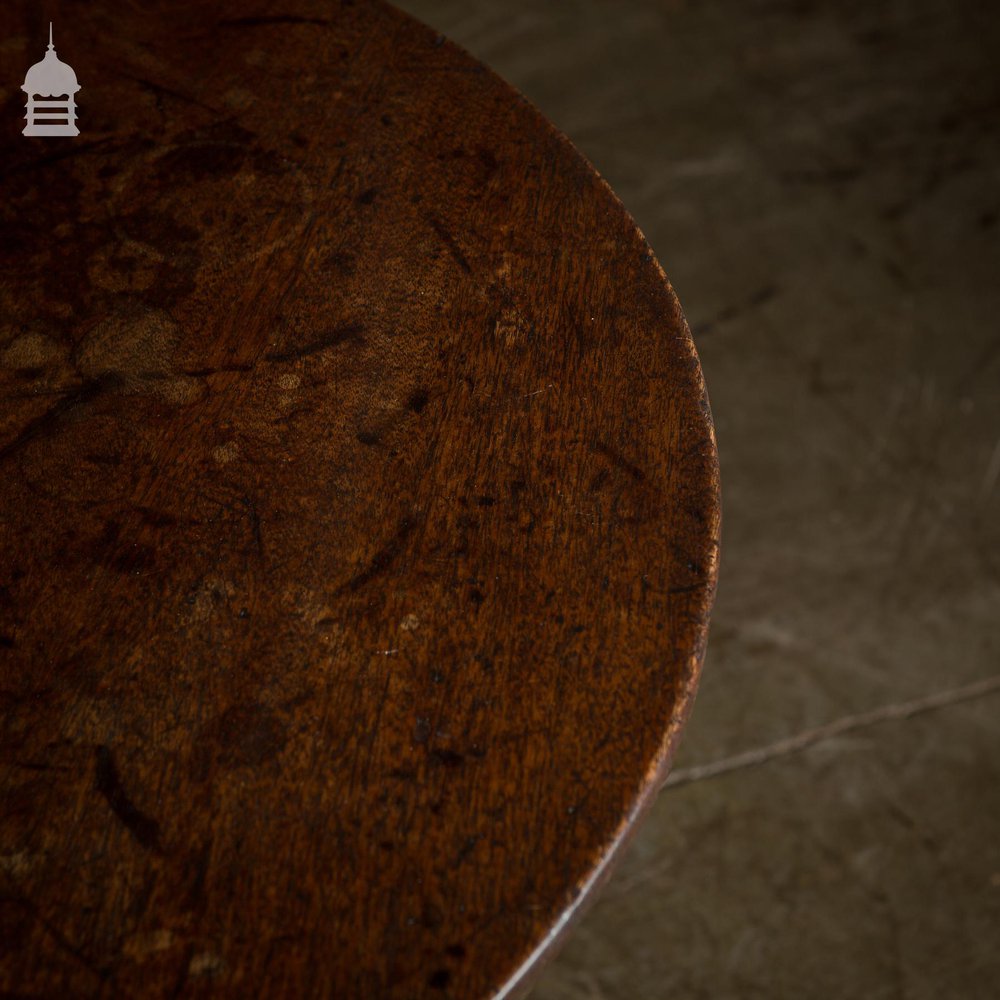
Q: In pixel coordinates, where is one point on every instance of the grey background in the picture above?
(821, 182)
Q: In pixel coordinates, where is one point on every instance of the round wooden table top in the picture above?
(358, 504)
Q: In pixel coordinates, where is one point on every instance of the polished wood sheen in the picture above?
(359, 512)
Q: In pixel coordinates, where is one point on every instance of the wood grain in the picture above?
(359, 513)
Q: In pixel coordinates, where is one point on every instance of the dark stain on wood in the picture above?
(246, 735)
(143, 828)
(417, 400)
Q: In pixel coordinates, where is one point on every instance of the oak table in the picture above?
(358, 510)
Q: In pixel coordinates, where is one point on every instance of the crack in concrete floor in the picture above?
(839, 727)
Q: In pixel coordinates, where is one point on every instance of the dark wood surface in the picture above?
(359, 513)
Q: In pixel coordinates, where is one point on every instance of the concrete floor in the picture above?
(822, 184)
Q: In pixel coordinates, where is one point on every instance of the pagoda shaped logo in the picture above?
(51, 88)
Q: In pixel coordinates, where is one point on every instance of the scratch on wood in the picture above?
(350, 331)
(383, 558)
(57, 156)
(619, 460)
(449, 241)
(205, 372)
(78, 396)
(62, 942)
(255, 527)
(160, 91)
